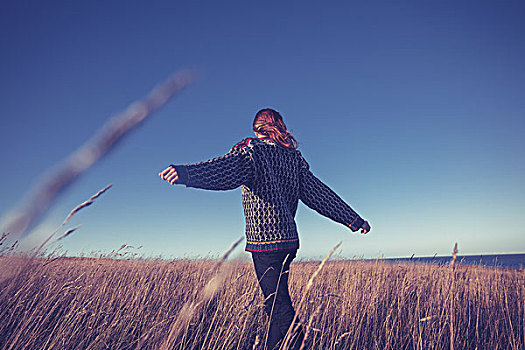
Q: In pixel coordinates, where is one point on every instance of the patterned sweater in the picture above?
(272, 179)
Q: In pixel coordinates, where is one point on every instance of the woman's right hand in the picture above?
(169, 174)
(365, 228)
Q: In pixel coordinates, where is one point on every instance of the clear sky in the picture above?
(412, 111)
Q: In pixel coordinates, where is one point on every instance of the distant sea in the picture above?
(505, 261)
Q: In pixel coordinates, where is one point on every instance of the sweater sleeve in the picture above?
(319, 197)
(226, 172)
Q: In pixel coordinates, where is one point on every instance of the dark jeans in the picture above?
(271, 268)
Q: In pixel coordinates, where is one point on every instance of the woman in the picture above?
(273, 176)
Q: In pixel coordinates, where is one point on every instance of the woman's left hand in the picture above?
(169, 174)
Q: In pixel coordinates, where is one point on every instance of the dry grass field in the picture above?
(101, 303)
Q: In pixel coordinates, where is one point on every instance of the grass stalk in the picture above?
(295, 326)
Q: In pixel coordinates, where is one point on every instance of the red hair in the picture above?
(270, 123)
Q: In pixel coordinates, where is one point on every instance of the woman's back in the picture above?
(270, 200)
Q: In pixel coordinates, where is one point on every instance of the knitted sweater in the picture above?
(272, 179)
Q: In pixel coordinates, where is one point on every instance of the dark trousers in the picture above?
(272, 268)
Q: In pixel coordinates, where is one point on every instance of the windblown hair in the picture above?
(270, 123)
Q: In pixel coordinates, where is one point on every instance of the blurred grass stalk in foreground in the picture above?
(37, 201)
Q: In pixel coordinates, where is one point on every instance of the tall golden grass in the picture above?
(103, 303)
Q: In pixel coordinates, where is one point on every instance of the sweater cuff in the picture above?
(183, 174)
(356, 225)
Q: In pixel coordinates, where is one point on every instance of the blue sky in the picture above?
(413, 112)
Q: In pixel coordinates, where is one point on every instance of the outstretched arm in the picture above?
(319, 197)
(226, 172)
